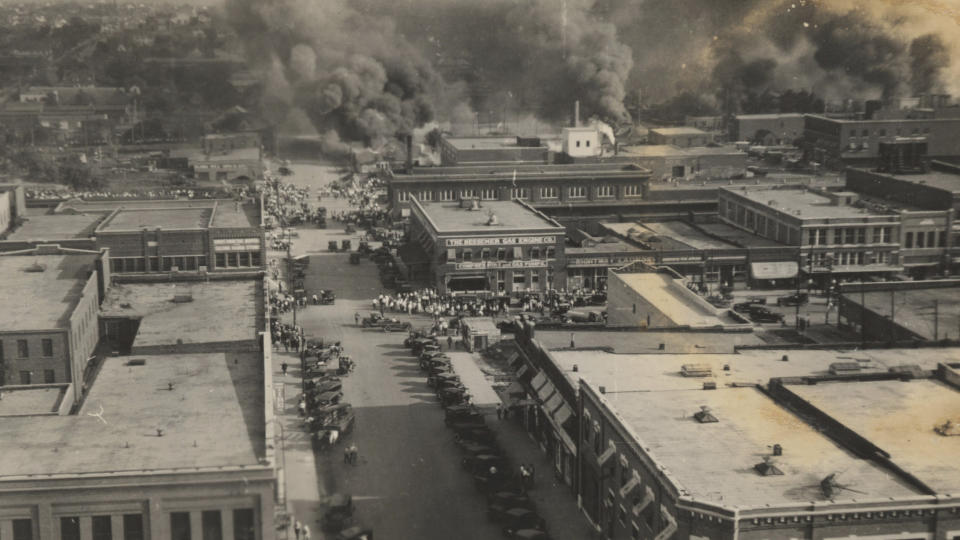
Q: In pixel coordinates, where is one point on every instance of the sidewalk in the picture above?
(298, 460)
(555, 501)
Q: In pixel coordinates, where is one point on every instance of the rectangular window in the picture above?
(243, 524)
(519, 193)
(191, 263)
(501, 254)
(232, 260)
(425, 196)
(468, 194)
(254, 258)
(133, 526)
(467, 255)
(908, 240)
(484, 254)
(605, 192)
(517, 252)
(920, 239)
(23, 529)
(116, 265)
(167, 263)
(861, 235)
(941, 239)
(70, 528)
(838, 236)
(535, 253)
(47, 346)
(154, 264)
(403, 196)
(448, 195)
(519, 278)
(180, 526)
(49, 376)
(549, 193)
(244, 258)
(877, 235)
(488, 194)
(102, 528)
(851, 236)
(578, 144)
(577, 192)
(635, 190)
(212, 527)
(23, 349)
(931, 239)
(551, 252)
(221, 260)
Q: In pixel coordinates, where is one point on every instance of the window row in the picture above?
(238, 259)
(921, 239)
(500, 254)
(157, 264)
(882, 132)
(491, 194)
(23, 349)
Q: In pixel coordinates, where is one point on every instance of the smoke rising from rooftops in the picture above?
(365, 70)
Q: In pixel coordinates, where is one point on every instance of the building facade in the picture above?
(768, 129)
(683, 137)
(494, 247)
(831, 140)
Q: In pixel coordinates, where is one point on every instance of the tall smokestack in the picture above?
(576, 113)
(408, 139)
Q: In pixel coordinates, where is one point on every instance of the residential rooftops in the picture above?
(40, 291)
(511, 216)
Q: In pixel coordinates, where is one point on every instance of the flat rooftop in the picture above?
(898, 417)
(749, 423)
(487, 143)
(229, 215)
(622, 168)
(682, 130)
(609, 244)
(791, 201)
(512, 216)
(917, 309)
(237, 154)
(657, 372)
(169, 218)
(682, 306)
(41, 300)
(649, 341)
(213, 417)
(939, 179)
(229, 311)
(30, 400)
(684, 233)
(768, 116)
(40, 225)
(735, 236)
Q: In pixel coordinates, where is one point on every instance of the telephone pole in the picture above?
(936, 320)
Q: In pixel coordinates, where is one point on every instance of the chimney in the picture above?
(408, 139)
(576, 113)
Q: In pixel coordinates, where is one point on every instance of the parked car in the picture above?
(795, 299)
(516, 519)
(763, 315)
(339, 512)
(530, 534)
(355, 533)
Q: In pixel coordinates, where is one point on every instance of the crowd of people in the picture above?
(429, 302)
(287, 336)
(156, 194)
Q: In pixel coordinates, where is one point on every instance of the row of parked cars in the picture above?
(755, 308)
(507, 503)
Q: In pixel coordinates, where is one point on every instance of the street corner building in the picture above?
(173, 437)
(488, 247)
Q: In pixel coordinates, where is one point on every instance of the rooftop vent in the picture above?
(710, 385)
(182, 298)
(696, 370)
(136, 362)
(705, 416)
(492, 218)
(838, 368)
(36, 267)
(767, 467)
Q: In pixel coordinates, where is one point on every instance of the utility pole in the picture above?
(796, 316)
(936, 320)
(863, 315)
(893, 325)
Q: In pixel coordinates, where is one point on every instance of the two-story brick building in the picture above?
(495, 247)
(50, 327)
(855, 141)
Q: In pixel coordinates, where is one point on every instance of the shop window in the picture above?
(202, 260)
(154, 264)
(941, 239)
(180, 526)
(501, 254)
(23, 529)
(102, 528)
(244, 258)
(243, 524)
(212, 527)
(551, 252)
(133, 526)
(255, 258)
(467, 255)
(167, 263)
(116, 265)
(70, 528)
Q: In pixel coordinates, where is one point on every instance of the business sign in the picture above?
(606, 261)
(499, 265)
(500, 241)
(236, 244)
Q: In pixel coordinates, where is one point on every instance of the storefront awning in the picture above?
(774, 270)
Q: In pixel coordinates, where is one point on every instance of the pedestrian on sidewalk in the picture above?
(302, 406)
(523, 479)
(353, 454)
(306, 532)
(449, 343)
(346, 454)
(499, 412)
(283, 367)
(533, 475)
(296, 529)
(356, 319)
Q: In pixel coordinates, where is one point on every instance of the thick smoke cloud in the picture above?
(365, 70)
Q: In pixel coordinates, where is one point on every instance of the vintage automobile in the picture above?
(475, 448)
(327, 297)
(339, 418)
(795, 299)
(453, 396)
(462, 413)
(529, 534)
(355, 533)
(516, 519)
(327, 398)
(345, 245)
(481, 463)
(506, 500)
(339, 513)
(484, 436)
(396, 326)
(763, 315)
(354, 258)
(333, 246)
(445, 378)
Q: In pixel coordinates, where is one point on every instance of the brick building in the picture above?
(50, 329)
(858, 141)
(683, 137)
(13, 206)
(473, 150)
(177, 235)
(495, 247)
(175, 442)
(768, 129)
